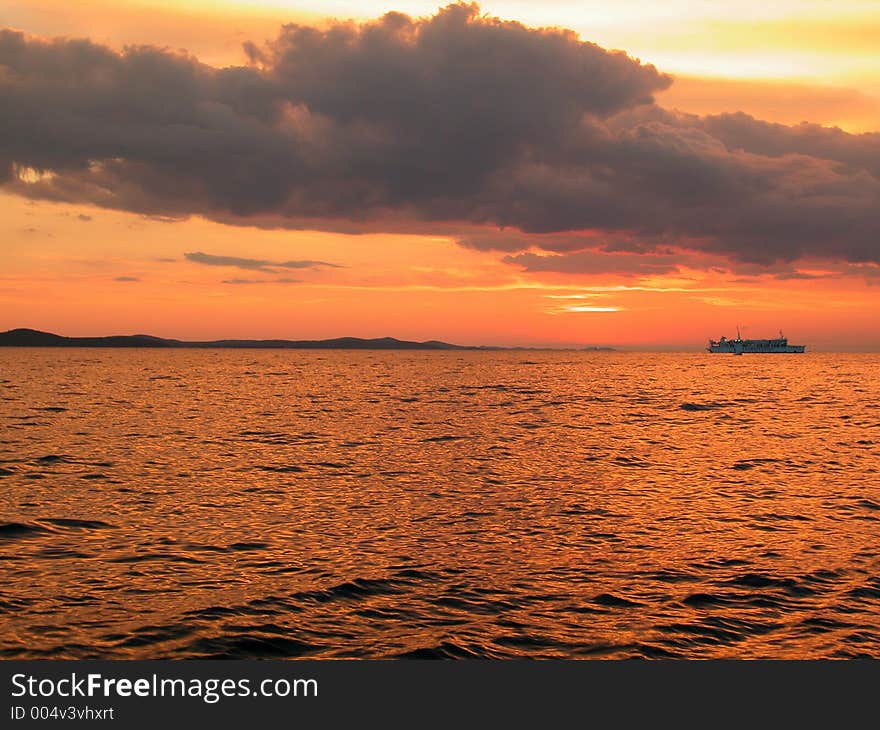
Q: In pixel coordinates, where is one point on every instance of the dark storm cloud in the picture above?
(443, 123)
(127, 278)
(743, 132)
(253, 264)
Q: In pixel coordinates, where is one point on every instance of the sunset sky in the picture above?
(193, 169)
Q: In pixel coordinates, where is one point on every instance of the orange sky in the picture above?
(80, 269)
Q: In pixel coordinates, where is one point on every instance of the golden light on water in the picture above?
(484, 504)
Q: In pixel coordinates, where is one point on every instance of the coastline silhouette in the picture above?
(23, 337)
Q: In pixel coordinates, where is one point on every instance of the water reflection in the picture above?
(490, 504)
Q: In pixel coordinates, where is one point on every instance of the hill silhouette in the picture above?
(34, 338)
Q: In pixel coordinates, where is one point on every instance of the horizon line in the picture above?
(363, 342)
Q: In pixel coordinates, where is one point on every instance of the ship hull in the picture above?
(736, 348)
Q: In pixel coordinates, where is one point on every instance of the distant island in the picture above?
(35, 338)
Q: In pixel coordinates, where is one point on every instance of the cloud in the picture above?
(595, 262)
(127, 278)
(803, 275)
(260, 281)
(262, 265)
(457, 121)
(615, 257)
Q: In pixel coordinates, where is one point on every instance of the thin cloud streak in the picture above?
(591, 309)
(261, 265)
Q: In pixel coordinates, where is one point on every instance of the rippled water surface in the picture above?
(162, 503)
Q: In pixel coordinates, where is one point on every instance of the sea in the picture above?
(454, 504)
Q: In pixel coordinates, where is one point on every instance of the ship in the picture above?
(739, 346)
